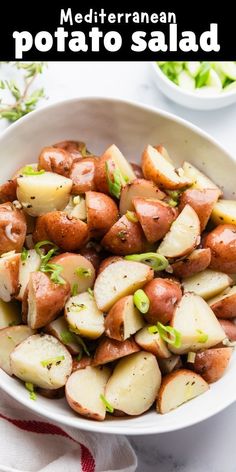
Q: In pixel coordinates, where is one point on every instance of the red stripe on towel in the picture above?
(41, 427)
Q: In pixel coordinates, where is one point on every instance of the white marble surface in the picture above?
(209, 446)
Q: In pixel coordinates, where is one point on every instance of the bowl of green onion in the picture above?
(199, 85)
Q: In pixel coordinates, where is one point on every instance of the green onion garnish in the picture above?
(29, 170)
(67, 337)
(141, 301)
(114, 184)
(77, 307)
(83, 272)
(74, 290)
(55, 271)
(109, 407)
(90, 292)
(203, 337)
(54, 361)
(167, 333)
(30, 387)
(153, 259)
(24, 254)
(131, 216)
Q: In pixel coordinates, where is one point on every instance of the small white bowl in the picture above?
(100, 122)
(191, 99)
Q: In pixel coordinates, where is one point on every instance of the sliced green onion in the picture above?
(81, 342)
(203, 337)
(55, 271)
(29, 170)
(173, 203)
(79, 356)
(131, 216)
(53, 361)
(191, 357)
(114, 185)
(153, 259)
(109, 407)
(77, 307)
(141, 301)
(67, 337)
(30, 387)
(24, 254)
(167, 333)
(83, 272)
(74, 290)
(90, 292)
(203, 74)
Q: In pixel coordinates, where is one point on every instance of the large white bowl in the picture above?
(101, 122)
(191, 99)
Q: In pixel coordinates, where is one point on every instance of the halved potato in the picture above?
(41, 360)
(200, 180)
(197, 325)
(12, 228)
(9, 275)
(212, 363)
(40, 194)
(134, 384)
(123, 319)
(207, 283)
(163, 151)
(141, 188)
(158, 169)
(224, 304)
(102, 213)
(110, 350)
(84, 389)
(178, 388)
(170, 364)
(222, 243)
(163, 295)
(229, 328)
(224, 212)
(59, 329)
(184, 235)
(43, 300)
(119, 279)
(76, 208)
(77, 270)
(29, 265)
(67, 232)
(114, 158)
(9, 338)
(109, 260)
(124, 237)
(196, 262)
(82, 174)
(9, 314)
(202, 201)
(152, 342)
(84, 317)
(56, 160)
(8, 191)
(155, 217)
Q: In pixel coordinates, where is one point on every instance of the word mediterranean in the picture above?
(102, 17)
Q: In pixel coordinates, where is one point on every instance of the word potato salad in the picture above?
(115, 275)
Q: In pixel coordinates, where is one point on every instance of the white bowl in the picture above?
(100, 122)
(191, 99)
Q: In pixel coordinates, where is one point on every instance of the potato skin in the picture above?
(102, 213)
(163, 294)
(106, 262)
(13, 224)
(100, 177)
(222, 243)
(155, 217)
(212, 363)
(77, 149)
(229, 328)
(51, 394)
(56, 160)
(138, 188)
(8, 191)
(124, 237)
(109, 350)
(196, 262)
(84, 362)
(68, 233)
(137, 170)
(225, 308)
(82, 174)
(202, 201)
(114, 321)
(92, 256)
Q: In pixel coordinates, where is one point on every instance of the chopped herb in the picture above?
(173, 203)
(55, 271)
(83, 272)
(82, 344)
(90, 292)
(131, 216)
(153, 259)
(24, 254)
(30, 387)
(29, 170)
(141, 301)
(79, 356)
(122, 235)
(74, 290)
(54, 360)
(77, 307)
(167, 333)
(109, 407)
(67, 337)
(114, 180)
(203, 337)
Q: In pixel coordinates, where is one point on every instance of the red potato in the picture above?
(60, 330)
(84, 389)
(84, 317)
(152, 342)
(55, 394)
(179, 387)
(110, 350)
(163, 294)
(123, 319)
(102, 213)
(229, 328)
(139, 188)
(68, 233)
(207, 283)
(222, 243)
(84, 362)
(76, 269)
(30, 264)
(10, 337)
(183, 236)
(92, 255)
(9, 276)
(170, 364)
(77, 149)
(157, 168)
(115, 160)
(124, 237)
(109, 260)
(155, 217)
(196, 262)
(224, 304)
(8, 191)
(118, 280)
(200, 180)
(202, 201)
(82, 174)
(212, 363)
(43, 300)
(163, 151)
(12, 228)
(137, 170)
(56, 160)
